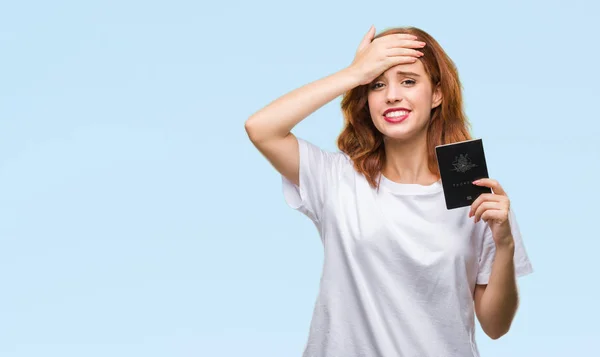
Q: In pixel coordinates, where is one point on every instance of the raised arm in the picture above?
(269, 129)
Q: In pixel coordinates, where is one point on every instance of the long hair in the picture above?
(363, 143)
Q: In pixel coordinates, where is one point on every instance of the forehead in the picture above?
(406, 69)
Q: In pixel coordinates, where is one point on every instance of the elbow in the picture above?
(497, 332)
(497, 322)
(259, 133)
(495, 336)
(250, 129)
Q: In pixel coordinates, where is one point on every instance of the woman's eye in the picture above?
(378, 85)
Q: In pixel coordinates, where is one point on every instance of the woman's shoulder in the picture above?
(320, 154)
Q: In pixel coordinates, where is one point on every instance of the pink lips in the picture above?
(395, 120)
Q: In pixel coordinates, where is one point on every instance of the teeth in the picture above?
(398, 113)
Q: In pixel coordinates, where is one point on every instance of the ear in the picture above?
(436, 97)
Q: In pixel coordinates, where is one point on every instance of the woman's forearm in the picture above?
(279, 117)
(500, 300)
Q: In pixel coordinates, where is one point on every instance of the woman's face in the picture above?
(401, 100)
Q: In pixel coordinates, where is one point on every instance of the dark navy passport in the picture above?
(460, 164)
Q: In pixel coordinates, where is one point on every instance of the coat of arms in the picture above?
(462, 163)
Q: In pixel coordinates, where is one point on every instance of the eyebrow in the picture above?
(412, 74)
(402, 73)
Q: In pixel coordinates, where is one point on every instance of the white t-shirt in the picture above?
(399, 268)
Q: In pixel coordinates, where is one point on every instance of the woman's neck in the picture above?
(407, 161)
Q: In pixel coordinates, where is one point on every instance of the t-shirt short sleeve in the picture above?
(319, 171)
(521, 259)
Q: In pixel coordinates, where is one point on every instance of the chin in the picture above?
(397, 131)
(398, 136)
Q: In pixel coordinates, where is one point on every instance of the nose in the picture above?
(393, 93)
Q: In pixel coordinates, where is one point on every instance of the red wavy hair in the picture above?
(363, 143)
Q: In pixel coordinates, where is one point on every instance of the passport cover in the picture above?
(460, 164)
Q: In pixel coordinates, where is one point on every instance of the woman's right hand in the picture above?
(373, 57)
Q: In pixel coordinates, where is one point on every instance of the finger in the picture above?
(491, 183)
(498, 202)
(406, 43)
(484, 207)
(402, 36)
(392, 52)
(494, 214)
(397, 60)
(483, 198)
(396, 38)
(397, 51)
(367, 39)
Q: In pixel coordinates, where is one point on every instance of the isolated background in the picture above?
(136, 219)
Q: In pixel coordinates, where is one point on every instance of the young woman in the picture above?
(402, 275)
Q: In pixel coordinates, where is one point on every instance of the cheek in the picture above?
(377, 99)
(421, 97)
(372, 105)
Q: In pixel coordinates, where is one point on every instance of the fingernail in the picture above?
(475, 182)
